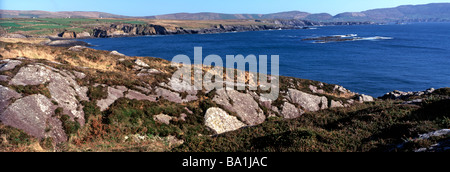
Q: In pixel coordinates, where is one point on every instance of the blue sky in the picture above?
(155, 7)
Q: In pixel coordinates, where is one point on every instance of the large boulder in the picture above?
(141, 63)
(336, 104)
(63, 88)
(365, 98)
(245, 107)
(289, 111)
(34, 115)
(220, 122)
(309, 102)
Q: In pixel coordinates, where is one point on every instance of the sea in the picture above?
(384, 58)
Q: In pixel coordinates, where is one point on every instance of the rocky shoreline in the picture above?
(132, 30)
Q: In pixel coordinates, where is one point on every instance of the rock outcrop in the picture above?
(139, 96)
(220, 122)
(64, 90)
(308, 102)
(163, 118)
(245, 107)
(113, 95)
(33, 114)
(6, 95)
(83, 35)
(9, 65)
(290, 111)
(67, 34)
(365, 98)
(396, 95)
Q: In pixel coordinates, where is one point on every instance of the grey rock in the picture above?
(79, 75)
(431, 90)
(32, 75)
(309, 102)
(141, 63)
(63, 88)
(182, 86)
(396, 95)
(341, 89)
(143, 89)
(11, 64)
(67, 43)
(220, 122)
(13, 35)
(113, 95)
(439, 147)
(139, 96)
(147, 72)
(169, 95)
(289, 111)
(314, 89)
(365, 98)
(163, 118)
(4, 78)
(414, 102)
(116, 53)
(435, 134)
(174, 96)
(121, 88)
(246, 108)
(77, 48)
(66, 97)
(83, 35)
(336, 104)
(33, 114)
(6, 94)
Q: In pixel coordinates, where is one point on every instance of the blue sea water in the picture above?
(416, 58)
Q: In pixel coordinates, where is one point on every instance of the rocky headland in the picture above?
(77, 99)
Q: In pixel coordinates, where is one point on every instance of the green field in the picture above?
(49, 26)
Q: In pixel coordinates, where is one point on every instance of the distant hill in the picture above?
(221, 16)
(63, 14)
(428, 12)
(420, 13)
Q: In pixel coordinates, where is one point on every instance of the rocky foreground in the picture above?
(80, 99)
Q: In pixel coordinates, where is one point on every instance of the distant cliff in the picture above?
(121, 30)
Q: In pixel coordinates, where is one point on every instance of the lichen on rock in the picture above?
(220, 122)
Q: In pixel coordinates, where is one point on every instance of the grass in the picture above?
(46, 26)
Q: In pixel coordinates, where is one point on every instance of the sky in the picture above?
(157, 7)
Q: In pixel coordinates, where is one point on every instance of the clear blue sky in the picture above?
(155, 7)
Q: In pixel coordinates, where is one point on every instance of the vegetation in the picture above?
(378, 126)
(53, 26)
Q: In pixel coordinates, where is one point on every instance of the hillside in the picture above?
(408, 13)
(62, 14)
(112, 102)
